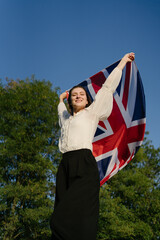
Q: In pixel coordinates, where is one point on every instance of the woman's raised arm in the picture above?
(103, 102)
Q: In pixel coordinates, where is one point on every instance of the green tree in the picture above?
(29, 155)
(130, 201)
(28, 148)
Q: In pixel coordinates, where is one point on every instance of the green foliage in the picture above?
(130, 201)
(29, 155)
(28, 148)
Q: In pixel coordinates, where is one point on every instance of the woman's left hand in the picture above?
(129, 57)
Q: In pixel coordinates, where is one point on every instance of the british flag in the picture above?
(118, 138)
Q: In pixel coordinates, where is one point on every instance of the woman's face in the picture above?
(79, 99)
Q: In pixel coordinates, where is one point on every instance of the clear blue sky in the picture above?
(67, 41)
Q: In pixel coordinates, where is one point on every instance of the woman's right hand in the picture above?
(63, 96)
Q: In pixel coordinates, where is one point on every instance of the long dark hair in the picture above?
(70, 101)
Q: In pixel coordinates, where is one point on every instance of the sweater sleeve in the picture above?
(62, 113)
(103, 103)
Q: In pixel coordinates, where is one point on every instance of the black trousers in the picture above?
(76, 209)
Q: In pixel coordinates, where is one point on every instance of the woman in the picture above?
(76, 207)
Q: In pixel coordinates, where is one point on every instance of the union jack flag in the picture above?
(118, 138)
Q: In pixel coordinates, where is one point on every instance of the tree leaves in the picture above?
(130, 201)
(29, 156)
(28, 147)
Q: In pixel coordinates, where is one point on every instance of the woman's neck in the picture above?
(75, 111)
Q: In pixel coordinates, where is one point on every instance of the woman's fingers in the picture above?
(131, 56)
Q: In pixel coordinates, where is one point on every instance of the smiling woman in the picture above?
(76, 207)
(78, 99)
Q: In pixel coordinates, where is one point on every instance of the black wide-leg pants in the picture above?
(76, 209)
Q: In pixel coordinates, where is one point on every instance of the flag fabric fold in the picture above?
(118, 138)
